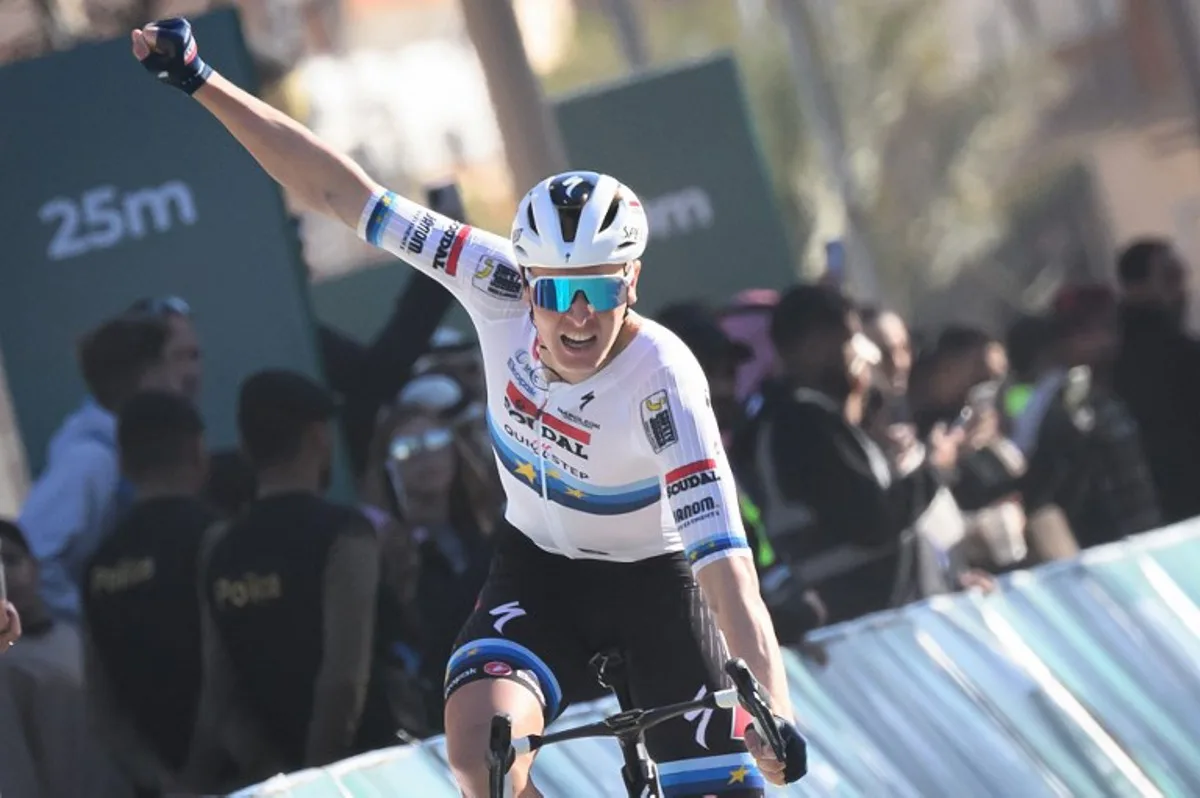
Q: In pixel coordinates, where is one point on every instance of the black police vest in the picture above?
(143, 614)
(265, 584)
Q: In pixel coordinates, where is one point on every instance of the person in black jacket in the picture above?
(290, 591)
(829, 502)
(1157, 372)
(142, 612)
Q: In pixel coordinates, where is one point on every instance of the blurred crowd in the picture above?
(196, 620)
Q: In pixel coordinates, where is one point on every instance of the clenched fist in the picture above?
(168, 50)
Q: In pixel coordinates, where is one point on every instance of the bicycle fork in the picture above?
(639, 772)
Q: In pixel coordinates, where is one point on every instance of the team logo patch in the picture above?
(658, 421)
(496, 668)
(496, 278)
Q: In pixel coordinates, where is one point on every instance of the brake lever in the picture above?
(500, 754)
(751, 696)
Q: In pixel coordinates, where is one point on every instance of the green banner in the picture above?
(682, 140)
(116, 187)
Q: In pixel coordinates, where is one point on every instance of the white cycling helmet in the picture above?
(578, 219)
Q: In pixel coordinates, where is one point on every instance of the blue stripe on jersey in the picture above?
(477, 653)
(710, 775)
(379, 217)
(712, 545)
(571, 493)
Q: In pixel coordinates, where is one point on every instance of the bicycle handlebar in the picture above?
(750, 693)
(503, 749)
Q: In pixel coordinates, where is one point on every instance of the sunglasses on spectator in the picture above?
(404, 447)
(601, 291)
(162, 306)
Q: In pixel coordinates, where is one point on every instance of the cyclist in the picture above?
(617, 483)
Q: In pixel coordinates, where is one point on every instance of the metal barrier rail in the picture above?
(1078, 678)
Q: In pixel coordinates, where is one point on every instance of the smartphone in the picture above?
(446, 199)
(983, 395)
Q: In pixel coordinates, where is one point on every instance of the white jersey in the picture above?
(627, 464)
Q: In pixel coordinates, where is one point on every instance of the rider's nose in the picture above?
(580, 311)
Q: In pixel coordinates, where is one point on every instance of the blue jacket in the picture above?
(73, 505)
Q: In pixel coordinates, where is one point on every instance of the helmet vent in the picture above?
(568, 219)
(611, 216)
(532, 221)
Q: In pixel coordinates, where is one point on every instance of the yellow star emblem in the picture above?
(553, 474)
(526, 470)
(575, 492)
(738, 775)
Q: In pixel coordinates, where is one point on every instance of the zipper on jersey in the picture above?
(547, 513)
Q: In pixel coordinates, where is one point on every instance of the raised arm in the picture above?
(321, 178)
(476, 266)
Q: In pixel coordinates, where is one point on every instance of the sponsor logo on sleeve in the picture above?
(496, 278)
(658, 421)
(688, 514)
(692, 475)
(418, 232)
(450, 247)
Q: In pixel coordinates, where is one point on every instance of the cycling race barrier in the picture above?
(1077, 678)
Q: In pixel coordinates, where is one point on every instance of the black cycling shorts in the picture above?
(541, 617)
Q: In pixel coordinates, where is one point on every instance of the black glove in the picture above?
(174, 59)
(795, 751)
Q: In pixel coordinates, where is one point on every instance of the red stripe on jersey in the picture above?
(525, 405)
(456, 249)
(521, 402)
(558, 425)
(689, 469)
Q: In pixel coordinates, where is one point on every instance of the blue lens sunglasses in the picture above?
(601, 291)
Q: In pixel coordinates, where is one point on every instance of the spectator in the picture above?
(182, 353)
(77, 498)
(1153, 281)
(141, 606)
(988, 522)
(367, 378)
(430, 472)
(289, 591)
(454, 354)
(1157, 372)
(888, 331)
(47, 749)
(1087, 458)
(1030, 345)
(795, 610)
(747, 320)
(231, 484)
(830, 503)
(719, 355)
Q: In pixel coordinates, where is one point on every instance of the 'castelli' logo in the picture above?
(497, 669)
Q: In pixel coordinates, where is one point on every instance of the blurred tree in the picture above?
(931, 143)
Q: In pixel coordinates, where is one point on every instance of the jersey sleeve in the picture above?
(680, 429)
(477, 267)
